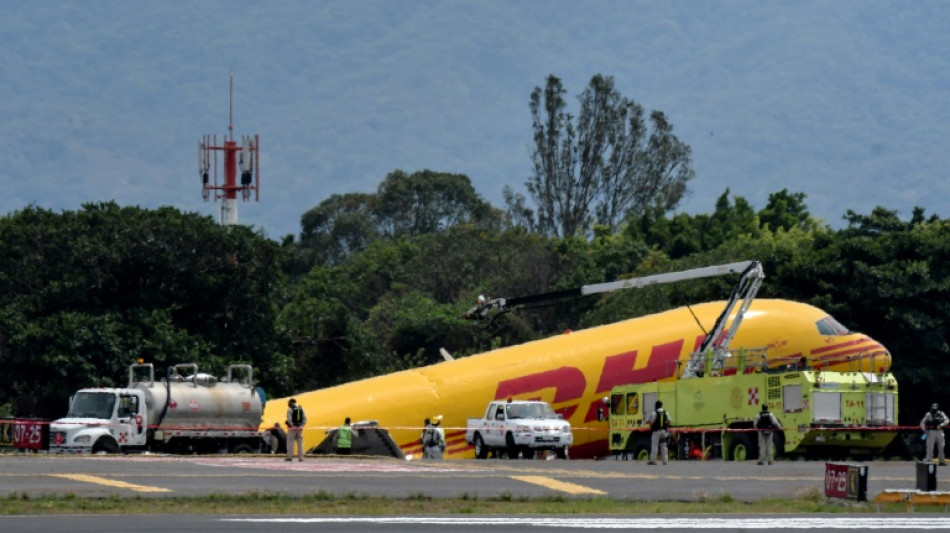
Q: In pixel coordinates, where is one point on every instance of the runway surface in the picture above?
(156, 476)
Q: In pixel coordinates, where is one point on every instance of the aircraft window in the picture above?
(830, 326)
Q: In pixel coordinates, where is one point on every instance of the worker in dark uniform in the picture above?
(659, 422)
(276, 438)
(933, 424)
(764, 424)
(296, 420)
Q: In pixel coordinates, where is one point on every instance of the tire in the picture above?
(511, 446)
(527, 453)
(105, 445)
(641, 450)
(741, 448)
(481, 451)
(243, 448)
(561, 452)
(778, 444)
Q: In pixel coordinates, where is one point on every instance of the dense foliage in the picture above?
(86, 293)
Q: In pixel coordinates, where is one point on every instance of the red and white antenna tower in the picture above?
(244, 157)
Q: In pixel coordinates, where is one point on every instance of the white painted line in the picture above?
(638, 522)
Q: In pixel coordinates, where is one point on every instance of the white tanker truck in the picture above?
(193, 413)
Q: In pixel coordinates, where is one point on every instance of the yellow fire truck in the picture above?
(843, 413)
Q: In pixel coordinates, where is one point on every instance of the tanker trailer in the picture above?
(182, 413)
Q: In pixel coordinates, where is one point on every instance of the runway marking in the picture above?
(110, 482)
(563, 486)
(639, 522)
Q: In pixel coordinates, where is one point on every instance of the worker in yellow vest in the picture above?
(344, 437)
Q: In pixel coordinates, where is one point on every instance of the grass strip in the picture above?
(323, 503)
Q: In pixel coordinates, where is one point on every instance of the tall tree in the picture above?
(426, 202)
(605, 165)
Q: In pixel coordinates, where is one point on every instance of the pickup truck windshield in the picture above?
(532, 410)
(92, 405)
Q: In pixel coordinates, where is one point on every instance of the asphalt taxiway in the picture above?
(183, 476)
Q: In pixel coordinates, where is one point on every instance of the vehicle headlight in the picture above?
(566, 429)
(82, 439)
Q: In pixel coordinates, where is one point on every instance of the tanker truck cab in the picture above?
(101, 421)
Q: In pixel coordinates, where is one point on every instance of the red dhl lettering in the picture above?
(569, 383)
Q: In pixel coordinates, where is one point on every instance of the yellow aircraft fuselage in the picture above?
(573, 372)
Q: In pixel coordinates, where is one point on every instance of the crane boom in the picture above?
(716, 341)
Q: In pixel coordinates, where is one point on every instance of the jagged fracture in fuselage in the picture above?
(575, 370)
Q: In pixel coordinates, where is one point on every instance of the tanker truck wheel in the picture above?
(243, 448)
(105, 445)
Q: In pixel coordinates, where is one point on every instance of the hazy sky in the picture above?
(102, 100)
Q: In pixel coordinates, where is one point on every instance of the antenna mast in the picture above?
(244, 157)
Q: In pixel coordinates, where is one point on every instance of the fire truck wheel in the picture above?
(105, 445)
(741, 449)
(778, 443)
(641, 450)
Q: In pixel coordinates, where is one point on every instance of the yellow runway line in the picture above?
(563, 486)
(110, 482)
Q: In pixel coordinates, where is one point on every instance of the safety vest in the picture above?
(344, 437)
(430, 437)
(296, 415)
(660, 421)
(935, 420)
(765, 420)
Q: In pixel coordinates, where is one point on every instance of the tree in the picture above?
(606, 164)
(84, 294)
(426, 202)
(786, 210)
(341, 225)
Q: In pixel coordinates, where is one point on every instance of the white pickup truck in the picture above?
(519, 427)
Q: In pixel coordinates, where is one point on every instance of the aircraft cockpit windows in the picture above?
(830, 326)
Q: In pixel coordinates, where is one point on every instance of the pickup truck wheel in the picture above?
(511, 446)
(561, 452)
(481, 451)
(527, 453)
(105, 445)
